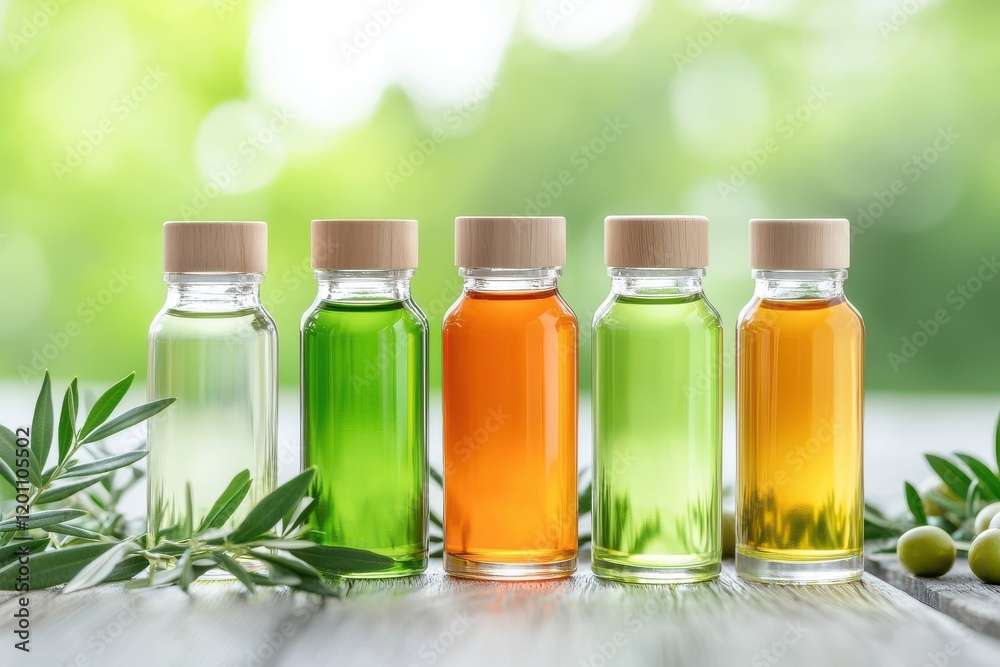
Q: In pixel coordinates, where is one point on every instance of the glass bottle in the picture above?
(213, 346)
(800, 386)
(657, 394)
(510, 404)
(364, 393)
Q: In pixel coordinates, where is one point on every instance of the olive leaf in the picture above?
(957, 500)
(586, 499)
(228, 502)
(915, 504)
(436, 476)
(40, 519)
(299, 515)
(273, 507)
(106, 405)
(997, 452)
(98, 569)
(91, 551)
(73, 531)
(42, 425)
(12, 552)
(52, 568)
(7, 474)
(340, 560)
(108, 464)
(232, 566)
(952, 476)
(989, 483)
(127, 420)
(61, 492)
(67, 419)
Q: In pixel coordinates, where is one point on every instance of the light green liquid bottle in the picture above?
(214, 348)
(657, 346)
(364, 399)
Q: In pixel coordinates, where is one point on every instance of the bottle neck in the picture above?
(213, 292)
(788, 285)
(655, 283)
(510, 280)
(364, 285)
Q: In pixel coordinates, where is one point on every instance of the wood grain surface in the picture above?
(438, 620)
(960, 594)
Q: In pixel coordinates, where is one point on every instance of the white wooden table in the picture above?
(436, 620)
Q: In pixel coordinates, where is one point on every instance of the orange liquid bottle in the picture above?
(510, 405)
(800, 392)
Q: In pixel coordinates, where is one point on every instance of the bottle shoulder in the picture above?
(690, 312)
(837, 314)
(509, 309)
(360, 317)
(171, 324)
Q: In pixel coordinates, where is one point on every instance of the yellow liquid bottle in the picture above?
(800, 393)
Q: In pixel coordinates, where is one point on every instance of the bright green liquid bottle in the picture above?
(364, 378)
(657, 430)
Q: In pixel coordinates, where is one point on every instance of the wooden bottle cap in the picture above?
(818, 244)
(510, 242)
(215, 247)
(656, 241)
(364, 245)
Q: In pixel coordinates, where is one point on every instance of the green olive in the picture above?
(926, 551)
(728, 535)
(984, 556)
(985, 516)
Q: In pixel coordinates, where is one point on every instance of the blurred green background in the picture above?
(120, 115)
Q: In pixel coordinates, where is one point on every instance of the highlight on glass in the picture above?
(657, 396)
(510, 404)
(213, 346)
(800, 395)
(364, 393)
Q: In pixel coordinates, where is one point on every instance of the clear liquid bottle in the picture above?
(213, 346)
(657, 392)
(800, 386)
(364, 392)
(510, 404)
